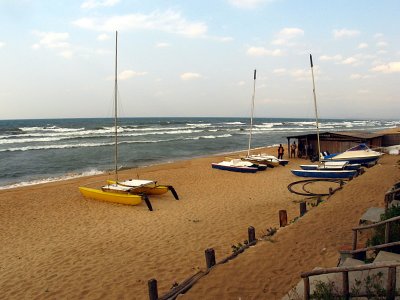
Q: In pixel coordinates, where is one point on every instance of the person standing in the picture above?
(280, 151)
(293, 148)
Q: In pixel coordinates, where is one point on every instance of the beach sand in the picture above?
(58, 245)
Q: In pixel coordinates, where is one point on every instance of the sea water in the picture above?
(36, 151)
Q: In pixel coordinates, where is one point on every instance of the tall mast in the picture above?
(252, 113)
(116, 107)
(315, 107)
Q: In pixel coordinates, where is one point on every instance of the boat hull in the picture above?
(234, 168)
(121, 198)
(318, 167)
(331, 174)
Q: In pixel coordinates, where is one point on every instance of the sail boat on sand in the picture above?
(130, 192)
(323, 170)
(269, 160)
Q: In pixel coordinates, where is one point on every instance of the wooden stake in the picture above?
(303, 208)
(210, 257)
(282, 218)
(153, 292)
(252, 234)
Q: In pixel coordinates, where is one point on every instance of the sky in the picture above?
(187, 58)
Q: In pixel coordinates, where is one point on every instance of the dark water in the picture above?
(33, 151)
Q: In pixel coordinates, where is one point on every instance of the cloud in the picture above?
(279, 71)
(127, 74)
(2, 44)
(248, 4)
(362, 46)
(345, 33)
(381, 44)
(190, 76)
(103, 37)
(89, 4)
(162, 45)
(359, 76)
(337, 57)
(286, 35)
(392, 67)
(241, 83)
(350, 61)
(52, 40)
(261, 51)
(58, 41)
(167, 21)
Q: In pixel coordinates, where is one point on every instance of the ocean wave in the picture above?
(234, 123)
(208, 137)
(50, 128)
(48, 147)
(91, 172)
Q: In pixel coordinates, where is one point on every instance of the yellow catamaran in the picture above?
(130, 192)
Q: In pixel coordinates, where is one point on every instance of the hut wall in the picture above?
(391, 140)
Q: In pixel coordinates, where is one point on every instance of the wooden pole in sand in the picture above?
(210, 257)
(252, 234)
(303, 208)
(153, 292)
(282, 218)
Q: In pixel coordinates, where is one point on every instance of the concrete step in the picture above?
(387, 257)
(372, 215)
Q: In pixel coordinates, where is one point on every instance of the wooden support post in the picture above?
(153, 292)
(345, 284)
(282, 218)
(306, 281)
(330, 191)
(354, 239)
(303, 208)
(391, 284)
(387, 232)
(252, 234)
(210, 257)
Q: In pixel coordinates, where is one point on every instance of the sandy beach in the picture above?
(58, 245)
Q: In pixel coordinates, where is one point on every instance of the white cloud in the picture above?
(66, 53)
(286, 35)
(378, 35)
(359, 76)
(103, 37)
(362, 46)
(337, 57)
(167, 21)
(261, 51)
(127, 74)
(241, 83)
(345, 33)
(279, 71)
(162, 45)
(392, 67)
(89, 4)
(52, 40)
(248, 4)
(190, 76)
(381, 44)
(58, 41)
(2, 44)
(350, 61)
(363, 92)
